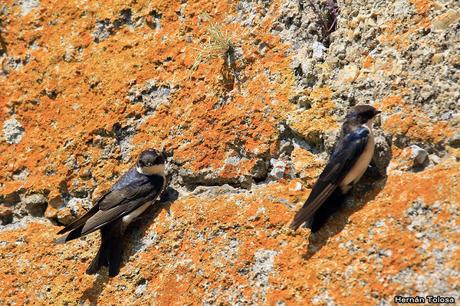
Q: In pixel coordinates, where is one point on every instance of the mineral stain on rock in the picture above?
(86, 86)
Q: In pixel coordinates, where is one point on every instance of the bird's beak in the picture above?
(377, 112)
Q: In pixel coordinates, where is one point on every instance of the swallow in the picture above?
(352, 153)
(128, 198)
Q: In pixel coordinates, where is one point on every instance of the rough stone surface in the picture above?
(12, 131)
(6, 215)
(419, 155)
(35, 204)
(85, 86)
(28, 5)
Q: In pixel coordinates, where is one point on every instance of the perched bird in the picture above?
(349, 160)
(131, 195)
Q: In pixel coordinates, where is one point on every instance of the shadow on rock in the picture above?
(134, 234)
(366, 190)
(136, 239)
(91, 294)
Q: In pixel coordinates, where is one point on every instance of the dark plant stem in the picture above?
(3, 45)
(329, 23)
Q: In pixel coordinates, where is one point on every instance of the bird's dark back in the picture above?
(133, 177)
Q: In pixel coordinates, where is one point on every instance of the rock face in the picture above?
(246, 98)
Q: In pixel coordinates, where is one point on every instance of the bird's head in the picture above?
(362, 114)
(151, 162)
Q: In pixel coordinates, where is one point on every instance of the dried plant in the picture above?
(218, 45)
(3, 48)
(327, 18)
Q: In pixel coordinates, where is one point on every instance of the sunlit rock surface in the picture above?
(85, 86)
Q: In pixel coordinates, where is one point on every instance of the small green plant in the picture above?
(218, 45)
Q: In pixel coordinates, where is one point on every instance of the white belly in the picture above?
(138, 211)
(135, 213)
(360, 166)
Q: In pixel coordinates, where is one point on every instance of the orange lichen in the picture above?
(368, 62)
(407, 120)
(422, 6)
(199, 266)
(312, 123)
(77, 89)
(71, 95)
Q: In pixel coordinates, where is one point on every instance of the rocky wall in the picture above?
(246, 98)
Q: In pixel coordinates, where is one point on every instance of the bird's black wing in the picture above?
(121, 202)
(81, 221)
(114, 205)
(347, 151)
(125, 180)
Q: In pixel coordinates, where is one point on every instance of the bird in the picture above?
(351, 155)
(128, 198)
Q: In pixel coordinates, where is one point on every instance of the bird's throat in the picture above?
(152, 170)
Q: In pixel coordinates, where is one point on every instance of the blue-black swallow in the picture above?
(349, 160)
(131, 195)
